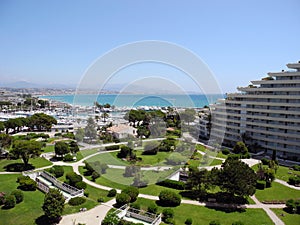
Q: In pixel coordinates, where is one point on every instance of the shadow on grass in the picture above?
(42, 220)
(226, 208)
(18, 167)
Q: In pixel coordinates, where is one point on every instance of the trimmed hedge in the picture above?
(261, 184)
(112, 147)
(77, 201)
(169, 198)
(112, 193)
(179, 185)
(18, 195)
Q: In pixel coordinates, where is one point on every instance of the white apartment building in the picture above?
(267, 112)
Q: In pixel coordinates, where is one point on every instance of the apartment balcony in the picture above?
(262, 96)
(259, 82)
(284, 74)
(294, 65)
(270, 125)
(276, 133)
(259, 89)
(270, 103)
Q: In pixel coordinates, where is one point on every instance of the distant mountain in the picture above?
(25, 84)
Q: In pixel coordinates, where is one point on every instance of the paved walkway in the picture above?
(93, 216)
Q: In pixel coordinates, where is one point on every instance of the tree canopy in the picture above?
(25, 150)
(53, 204)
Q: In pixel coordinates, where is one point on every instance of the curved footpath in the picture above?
(95, 216)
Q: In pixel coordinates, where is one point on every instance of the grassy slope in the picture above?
(288, 219)
(36, 162)
(277, 192)
(202, 215)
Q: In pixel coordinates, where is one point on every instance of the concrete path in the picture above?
(267, 209)
(93, 216)
(286, 184)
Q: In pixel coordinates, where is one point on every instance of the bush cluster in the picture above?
(179, 185)
(169, 198)
(112, 147)
(261, 184)
(112, 193)
(77, 201)
(293, 206)
(295, 180)
(58, 171)
(26, 184)
(167, 216)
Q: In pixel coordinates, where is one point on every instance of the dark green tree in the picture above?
(53, 204)
(237, 178)
(90, 130)
(61, 148)
(26, 149)
(240, 148)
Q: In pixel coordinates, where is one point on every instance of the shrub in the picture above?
(225, 151)
(296, 167)
(172, 184)
(167, 214)
(26, 184)
(122, 199)
(73, 178)
(152, 208)
(294, 180)
(265, 161)
(261, 184)
(214, 222)
(95, 175)
(169, 198)
(86, 194)
(112, 193)
(112, 147)
(68, 158)
(18, 195)
(58, 171)
(133, 193)
(101, 199)
(80, 185)
(188, 221)
(77, 201)
(10, 202)
(131, 170)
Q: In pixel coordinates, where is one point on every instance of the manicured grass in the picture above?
(277, 192)
(283, 173)
(221, 155)
(89, 204)
(109, 158)
(152, 160)
(25, 212)
(202, 215)
(88, 152)
(288, 219)
(36, 162)
(154, 189)
(48, 148)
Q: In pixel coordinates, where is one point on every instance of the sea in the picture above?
(138, 100)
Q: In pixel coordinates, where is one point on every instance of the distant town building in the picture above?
(122, 131)
(266, 114)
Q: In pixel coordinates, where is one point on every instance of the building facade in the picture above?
(266, 114)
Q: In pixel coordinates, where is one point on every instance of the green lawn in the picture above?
(288, 219)
(25, 212)
(277, 192)
(152, 160)
(88, 152)
(36, 162)
(154, 189)
(109, 158)
(283, 173)
(202, 215)
(48, 148)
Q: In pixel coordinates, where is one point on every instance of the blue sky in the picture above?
(56, 41)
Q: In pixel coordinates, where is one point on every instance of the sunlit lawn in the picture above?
(202, 215)
(36, 162)
(88, 152)
(277, 192)
(48, 148)
(25, 212)
(109, 158)
(288, 219)
(152, 160)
